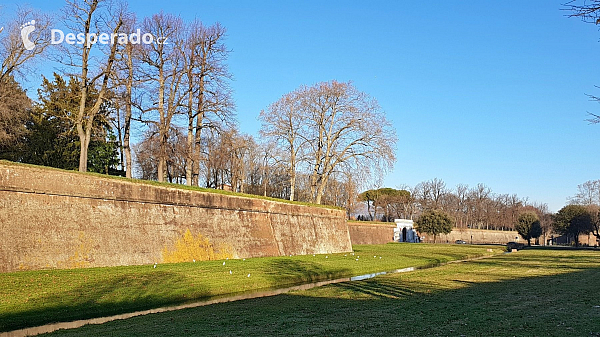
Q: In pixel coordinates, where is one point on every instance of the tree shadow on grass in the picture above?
(559, 258)
(136, 292)
(294, 272)
(106, 298)
(555, 305)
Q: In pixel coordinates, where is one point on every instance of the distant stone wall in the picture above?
(476, 236)
(371, 233)
(380, 233)
(59, 219)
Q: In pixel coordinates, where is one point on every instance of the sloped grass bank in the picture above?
(527, 293)
(168, 185)
(34, 298)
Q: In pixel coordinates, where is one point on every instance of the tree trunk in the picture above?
(292, 183)
(162, 161)
(189, 163)
(127, 126)
(120, 138)
(292, 172)
(162, 120)
(83, 153)
(126, 132)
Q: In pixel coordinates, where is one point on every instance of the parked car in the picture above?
(460, 242)
(513, 245)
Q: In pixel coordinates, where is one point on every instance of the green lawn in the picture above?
(534, 292)
(35, 298)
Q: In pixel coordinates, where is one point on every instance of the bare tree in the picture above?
(595, 220)
(14, 105)
(162, 64)
(587, 10)
(345, 130)
(587, 194)
(461, 209)
(147, 153)
(92, 62)
(545, 219)
(209, 103)
(479, 198)
(16, 54)
(22, 41)
(126, 78)
(438, 191)
(282, 122)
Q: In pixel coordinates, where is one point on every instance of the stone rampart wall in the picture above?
(58, 219)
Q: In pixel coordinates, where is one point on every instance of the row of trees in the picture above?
(470, 207)
(174, 96)
(581, 217)
(317, 143)
(235, 161)
(180, 76)
(571, 221)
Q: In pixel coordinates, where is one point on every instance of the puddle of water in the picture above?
(368, 276)
(250, 295)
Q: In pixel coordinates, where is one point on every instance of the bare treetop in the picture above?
(333, 127)
(22, 40)
(587, 10)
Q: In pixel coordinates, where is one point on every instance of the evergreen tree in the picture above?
(528, 226)
(51, 138)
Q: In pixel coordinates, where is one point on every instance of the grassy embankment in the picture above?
(169, 185)
(535, 292)
(33, 298)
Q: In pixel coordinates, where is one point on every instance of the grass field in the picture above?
(35, 298)
(534, 292)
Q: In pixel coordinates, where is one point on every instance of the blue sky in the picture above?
(486, 92)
